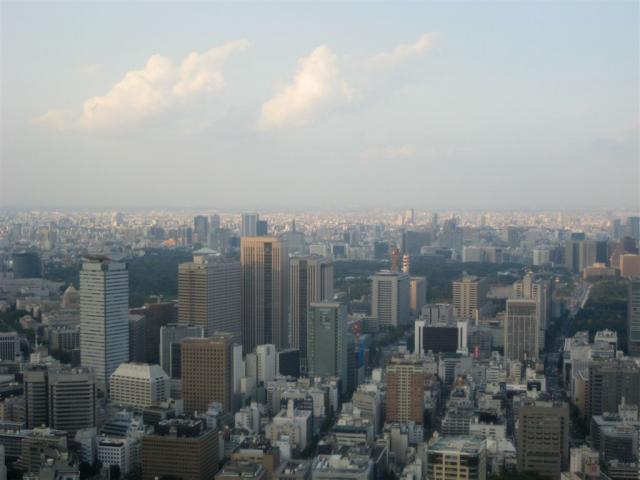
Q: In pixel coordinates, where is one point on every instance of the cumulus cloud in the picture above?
(316, 83)
(403, 52)
(161, 84)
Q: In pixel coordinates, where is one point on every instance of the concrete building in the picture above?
(405, 391)
(457, 457)
(261, 451)
(310, 281)
(293, 426)
(123, 452)
(342, 466)
(241, 470)
(207, 372)
(630, 265)
(264, 262)
(171, 337)
(390, 298)
(469, 294)
(104, 316)
(181, 448)
(139, 385)
(542, 433)
(266, 363)
(327, 340)
(633, 316)
(249, 224)
(609, 381)
(72, 399)
(521, 332)
(10, 346)
(156, 316)
(209, 294)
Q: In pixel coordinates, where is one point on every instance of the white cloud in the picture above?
(316, 83)
(158, 86)
(403, 52)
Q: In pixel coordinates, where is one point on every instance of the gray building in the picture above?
(327, 340)
(609, 382)
(170, 338)
(633, 317)
(390, 298)
(310, 280)
(9, 346)
(104, 316)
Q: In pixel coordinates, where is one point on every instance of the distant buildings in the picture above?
(104, 316)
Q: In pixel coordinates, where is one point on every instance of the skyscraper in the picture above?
(538, 289)
(469, 294)
(201, 229)
(417, 295)
(390, 298)
(633, 316)
(521, 332)
(310, 281)
(249, 225)
(264, 264)
(207, 372)
(633, 227)
(405, 391)
(209, 294)
(327, 340)
(104, 316)
(543, 437)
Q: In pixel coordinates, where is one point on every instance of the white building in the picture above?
(123, 452)
(292, 425)
(390, 298)
(104, 316)
(139, 385)
(266, 362)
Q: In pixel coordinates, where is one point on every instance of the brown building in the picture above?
(260, 451)
(542, 434)
(405, 391)
(181, 448)
(207, 372)
(630, 265)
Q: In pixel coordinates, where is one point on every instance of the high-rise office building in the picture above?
(180, 448)
(201, 229)
(9, 346)
(264, 262)
(395, 259)
(104, 316)
(249, 225)
(207, 372)
(60, 397)
(171, 337)
(609, 382)
(209, 294)
(521, 331)
(390, 298)
(543, 437)
(405, 391)
(72, 399)
(538, 289)
(460, 457)
(327, 340)
(417, 295)
(633, 316)
(633, 227)
(469, 294)
(310, 281)
(266, 363)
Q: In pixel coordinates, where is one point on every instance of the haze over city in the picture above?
(461, 105)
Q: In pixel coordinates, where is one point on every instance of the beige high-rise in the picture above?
(469, 294)
(207, 372)
(264, 262)
(209, 295)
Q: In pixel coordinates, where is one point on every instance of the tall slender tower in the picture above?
(310, 281)
(327, 340)
(104, 316)
(264, 263)
(209, 294)
(249, 224)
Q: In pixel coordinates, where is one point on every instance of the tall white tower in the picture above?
(104, 316)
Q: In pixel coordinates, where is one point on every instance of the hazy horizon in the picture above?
(502, 106)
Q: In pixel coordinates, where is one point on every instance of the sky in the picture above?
(320, 105)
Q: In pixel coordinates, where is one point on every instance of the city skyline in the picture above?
(440, 106)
